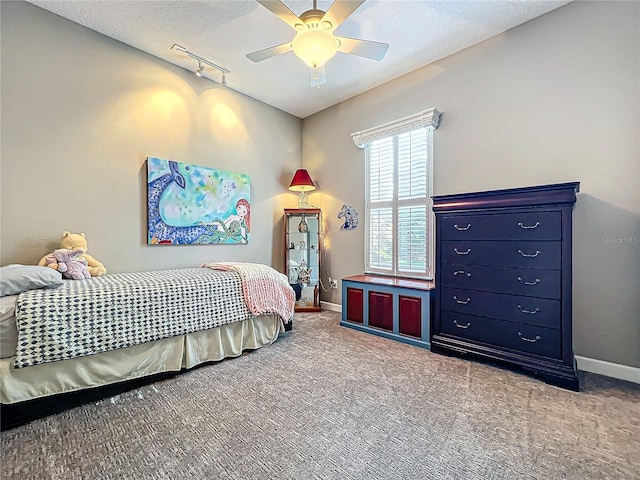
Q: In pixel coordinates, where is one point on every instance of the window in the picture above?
(397, 204)
(398, 219)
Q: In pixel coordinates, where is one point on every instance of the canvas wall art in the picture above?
(193, 205)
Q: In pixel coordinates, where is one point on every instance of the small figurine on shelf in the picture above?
(304, 274)
(302, 226)
(302, 244)
(292, 246)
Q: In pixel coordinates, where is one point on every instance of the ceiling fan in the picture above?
(315, 42)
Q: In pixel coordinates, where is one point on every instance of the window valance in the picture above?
(426, 118)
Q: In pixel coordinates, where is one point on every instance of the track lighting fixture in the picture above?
(202, 62)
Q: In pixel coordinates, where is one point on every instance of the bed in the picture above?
(69, 336)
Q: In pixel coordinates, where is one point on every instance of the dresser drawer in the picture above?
(515, 336)
(528, 310)
(503, 226)
(516, 253)
(516, 281)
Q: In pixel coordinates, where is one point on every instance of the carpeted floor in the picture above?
(326, 402)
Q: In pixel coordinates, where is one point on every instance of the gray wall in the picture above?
(80, 114)
(554, 100)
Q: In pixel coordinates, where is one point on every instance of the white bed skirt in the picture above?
(166, 355)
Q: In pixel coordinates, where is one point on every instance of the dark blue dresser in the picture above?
(503, 278)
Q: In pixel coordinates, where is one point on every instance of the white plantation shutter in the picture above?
(398, 195)
(413, 193)
(381, 238)
(412, 164)
(381, 170)
(380, 187)
(412, 239)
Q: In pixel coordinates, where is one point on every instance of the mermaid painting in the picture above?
(189, 204)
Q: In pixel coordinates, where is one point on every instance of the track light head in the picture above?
(200, 69)
(224, 79)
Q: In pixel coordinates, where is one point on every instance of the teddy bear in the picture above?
(68, 262)
(78, 241)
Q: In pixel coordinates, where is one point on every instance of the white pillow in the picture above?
(15, 279)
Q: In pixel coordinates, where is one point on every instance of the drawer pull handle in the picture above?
(528, 283)
(461, 302)
(532, 340)
(526, 227)
(462, 228)
(462, 326)
(533, 255)
(530, 312)
(462, 253)
(461, 272)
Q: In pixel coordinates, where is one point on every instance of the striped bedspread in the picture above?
(84, 317)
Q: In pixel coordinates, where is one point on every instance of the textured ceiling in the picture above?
(224, 31)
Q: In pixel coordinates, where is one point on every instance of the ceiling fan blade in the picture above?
(269, 52)
(318, 76)
(282, 12)
(363, 48)
(340, 10)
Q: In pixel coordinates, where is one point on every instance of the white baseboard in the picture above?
(614, 370)
(608, 369)
(334, 307)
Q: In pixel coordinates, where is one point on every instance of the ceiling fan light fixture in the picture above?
(315, 47)
(315, 43)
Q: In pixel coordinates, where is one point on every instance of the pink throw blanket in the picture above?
(265, 290)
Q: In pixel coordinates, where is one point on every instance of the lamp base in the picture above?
(303, 200)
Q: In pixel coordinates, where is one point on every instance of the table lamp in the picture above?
(302, 183)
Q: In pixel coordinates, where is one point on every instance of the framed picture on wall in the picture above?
(194, 205)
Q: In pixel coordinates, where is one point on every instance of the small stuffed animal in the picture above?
(68, 262)
(78, 241)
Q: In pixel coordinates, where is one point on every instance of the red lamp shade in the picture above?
(302, 182)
